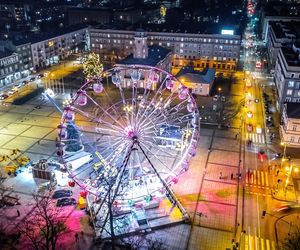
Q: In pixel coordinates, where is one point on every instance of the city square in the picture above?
(149, 125)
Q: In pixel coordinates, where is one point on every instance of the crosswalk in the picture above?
(257, 178)
(257, 243)
(256, 138)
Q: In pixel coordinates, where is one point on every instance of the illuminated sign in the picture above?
(227, 32)
(51, 43)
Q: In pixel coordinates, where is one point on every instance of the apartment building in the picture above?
(201, 50)
(287, 75)
(281, 34)
(50, 49)
(290, 125)
(9, 69)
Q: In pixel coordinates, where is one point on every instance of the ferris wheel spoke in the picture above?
(121, 146)
(107, 113)
(160, 148)
(112, 106)
(96, 120)
(124, 103)
(158, 92)
(153, 155)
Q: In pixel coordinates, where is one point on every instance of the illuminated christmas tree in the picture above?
(92, 67)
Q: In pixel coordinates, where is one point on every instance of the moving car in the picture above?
(249, 127)
(32, 78)
(24, 82)
(65, 202)
(62, 193)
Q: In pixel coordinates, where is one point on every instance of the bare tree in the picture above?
(292, 242)
(42, 228)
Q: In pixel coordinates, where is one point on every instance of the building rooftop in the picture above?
(291, 57)
(155, 55)
(293, 110)
(195, 76)
(19, 39)
(284, 29)
(5, 53)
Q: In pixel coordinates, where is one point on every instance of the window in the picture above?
(294, 128)
(289, 92)
(291, 84)
(292, 138)
(181, 51)
(292, 75)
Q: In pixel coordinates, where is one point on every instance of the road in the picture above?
(257, 232)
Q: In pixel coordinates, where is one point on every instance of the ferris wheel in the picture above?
(133, 128)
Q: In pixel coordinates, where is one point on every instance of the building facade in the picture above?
(23, 49)
(155, 56)
(287, 76)
(280, 34)
(202, 50)
(290, 125)
(9, 67)
(200, 82)
(265, 22)
(51, 50)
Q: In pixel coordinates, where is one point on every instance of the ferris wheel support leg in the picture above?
(170, 194)
(112, 197)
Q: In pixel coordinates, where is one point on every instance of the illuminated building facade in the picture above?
(199, 50)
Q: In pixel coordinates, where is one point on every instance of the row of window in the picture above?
(167, 37)
(8, 70)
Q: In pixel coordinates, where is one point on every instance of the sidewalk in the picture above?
(279, 189)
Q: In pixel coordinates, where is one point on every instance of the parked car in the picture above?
(24, 82)
(18, 86)
(65, 202)
(62, 193)
(216, 98)
(40, 75)
(32, 78)
(3, 96)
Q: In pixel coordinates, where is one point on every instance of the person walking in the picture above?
(18, 212)
(231, 176)
(76, 237)
(220, 176)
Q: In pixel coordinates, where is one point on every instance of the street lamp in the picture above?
(219, 91)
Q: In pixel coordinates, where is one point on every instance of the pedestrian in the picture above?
(277, 172)
(220, 176)
(18, 212)
(39, 142)
(231, 176)
(76, 237)
(236, 135)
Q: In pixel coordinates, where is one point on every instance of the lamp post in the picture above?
(219, 91)
(284, 152)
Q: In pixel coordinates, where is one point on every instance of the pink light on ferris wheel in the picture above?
(130, 132)
(82, 98)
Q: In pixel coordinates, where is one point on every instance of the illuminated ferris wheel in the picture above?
(134, 128)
